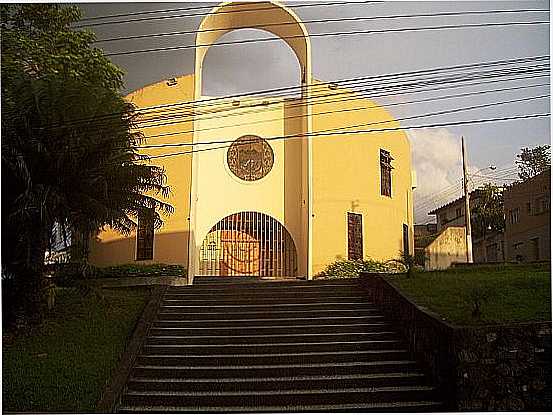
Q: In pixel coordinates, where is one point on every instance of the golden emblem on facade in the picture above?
(250, 157)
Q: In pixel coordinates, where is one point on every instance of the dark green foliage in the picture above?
(504, 294)
(487, 215)
(69, 274)
(407, 261)
(63, 364)
(69, 152)
(476, 297)
(136, 270)
(532, 161)
(344, 268)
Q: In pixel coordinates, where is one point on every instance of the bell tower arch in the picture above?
(285, 24)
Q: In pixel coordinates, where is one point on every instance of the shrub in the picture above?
(142, 270)
(476, 297)
(65, 274)
(345, 268)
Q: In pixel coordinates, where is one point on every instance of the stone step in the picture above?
(367, 406)
(352, 336)
(279, 397)
(366, 380)
(309, 345)
(272, 308)
(252, 281)
(247, 330)
(245, 371)
(262, 290)
(266, 312)
(262, 322)
(185, 359)
(241, 345)
(261, 299)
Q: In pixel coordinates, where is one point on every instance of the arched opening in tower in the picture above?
(244, 68)
(248, 244)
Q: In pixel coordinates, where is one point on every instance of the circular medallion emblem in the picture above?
(250, 158)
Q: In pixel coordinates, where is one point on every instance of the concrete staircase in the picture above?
(242, 345)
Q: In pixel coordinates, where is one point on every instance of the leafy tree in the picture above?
(533, 161)
(487, 215)
(69, 152)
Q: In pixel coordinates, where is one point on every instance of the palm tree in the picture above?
(69, 145)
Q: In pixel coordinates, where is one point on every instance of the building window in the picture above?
(355, 236)
(145, 235)
(406, 240)
(385, 173)
(541, 205)
(514, 215)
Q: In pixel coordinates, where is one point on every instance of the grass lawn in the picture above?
(64, 364)
(515, 293)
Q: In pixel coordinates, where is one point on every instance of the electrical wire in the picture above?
(315, 35)
(345, 96)
(431, 114)
(321, 21)
(214, 101)
(355, 109)
(80, 26)
(377, 130)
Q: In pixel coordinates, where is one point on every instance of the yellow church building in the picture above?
(270, 189)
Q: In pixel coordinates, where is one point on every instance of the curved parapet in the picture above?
(266, 15)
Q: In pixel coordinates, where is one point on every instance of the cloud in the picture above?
(438, 163)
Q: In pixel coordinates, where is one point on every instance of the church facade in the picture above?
(274, 187)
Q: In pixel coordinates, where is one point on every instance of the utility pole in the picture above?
(468, 236)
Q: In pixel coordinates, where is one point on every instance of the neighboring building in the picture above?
(424, 235)
(490, 248)
(253, 203)
(428, 229)
(447, 248)
(453, 213)
(528, 219)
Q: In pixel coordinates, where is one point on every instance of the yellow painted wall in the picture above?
(171, 241)
(220, 192)
(346, 178)
(447, 248)
(346, 174)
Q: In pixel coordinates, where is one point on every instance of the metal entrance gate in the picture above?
(248, 243)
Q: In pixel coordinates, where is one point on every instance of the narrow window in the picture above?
(355, 236)
(406, 239)
(516, 215)
(145, 235)
(385, 173)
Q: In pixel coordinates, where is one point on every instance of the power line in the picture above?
(79, 26)
(213, 101)
(362, 108)
(319, 21)
(432, 200)
(395, 88)
(347, 97)
(435, 125)
(432, 114)
(355, 79)
(356, 32)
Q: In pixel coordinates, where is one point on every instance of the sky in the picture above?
(436, 152)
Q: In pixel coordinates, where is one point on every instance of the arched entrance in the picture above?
(248, 244)
(294, 173)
